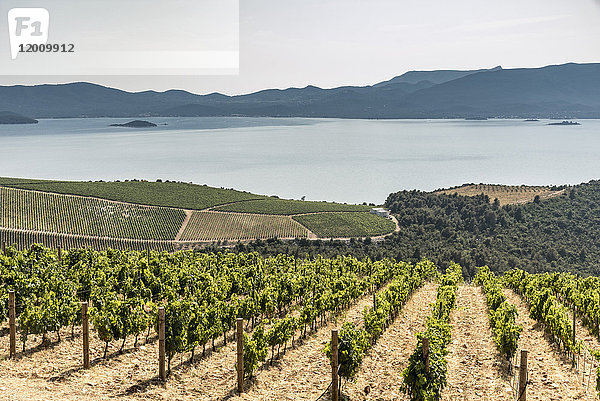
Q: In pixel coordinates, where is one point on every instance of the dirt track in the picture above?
(475, 367)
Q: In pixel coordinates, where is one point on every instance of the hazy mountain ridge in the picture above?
(435, 77)
(569, 90)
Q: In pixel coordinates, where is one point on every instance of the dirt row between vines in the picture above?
(551, 376)
(477, 371)
(475, 367)
(380, 375)
(305, 373)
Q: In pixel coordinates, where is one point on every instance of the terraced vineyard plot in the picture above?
(23, 239)
(217, 226)
(346, 225)
(169, 194)
(37, 211)
(289, 207)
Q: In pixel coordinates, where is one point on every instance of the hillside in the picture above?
(381, 309)
(558, 91)
(553, 234)
(166, 215)
(39, 211)
(166, 194)
(506, 194)
(553, 91)
(434, 77)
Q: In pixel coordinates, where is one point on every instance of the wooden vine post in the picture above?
(12, 324)
(85, 334)
(426, 353)
(335, 393)
(240, 355)
(162, 373)
(59, 253)
(574, 332)
(522, 395)
(4, 248)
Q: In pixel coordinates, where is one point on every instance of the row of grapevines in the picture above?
(354, 342)
(582, 294)
(203, 294)
(502, 314)
(40, 211)
(544, 307)
(420, 383)
(215, 226)
(22, 239)
(330, 294)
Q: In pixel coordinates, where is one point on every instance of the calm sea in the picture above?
(322, 159)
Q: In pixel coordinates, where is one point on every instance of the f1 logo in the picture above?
(27, 26)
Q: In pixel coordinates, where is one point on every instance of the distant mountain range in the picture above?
(560, 91)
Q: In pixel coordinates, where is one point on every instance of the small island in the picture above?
(531, 120)
(565, 123)
(476, 119)
(8, 117)
(136, 124)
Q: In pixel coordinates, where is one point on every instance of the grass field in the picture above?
(213, 226)
(38, 211)
(289, 207)
(346, 225)
(506, 194)
(168, 194)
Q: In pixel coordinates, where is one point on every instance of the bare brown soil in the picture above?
(476, 370)
(380, 374)
(551, 376)
(506, 194)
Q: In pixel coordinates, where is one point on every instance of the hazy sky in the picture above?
(330, 43)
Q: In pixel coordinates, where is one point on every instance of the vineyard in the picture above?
(211, 226)
(289, 207)
(166, 194)
(402, 331)
(22, 239)
(39, 211)
(346, 225)
(161, 216)
(506, 194)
